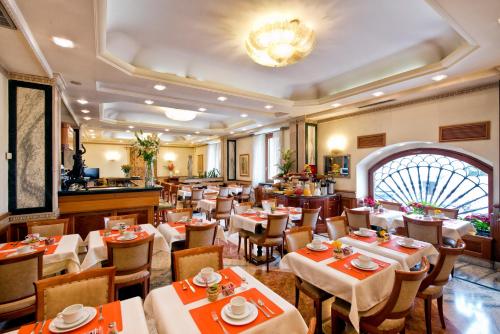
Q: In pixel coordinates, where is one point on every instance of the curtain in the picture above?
(274, 154)
(213, 156)
(258, 163)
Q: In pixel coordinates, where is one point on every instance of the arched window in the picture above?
(437, 177)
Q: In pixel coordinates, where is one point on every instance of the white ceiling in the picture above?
(125, 47)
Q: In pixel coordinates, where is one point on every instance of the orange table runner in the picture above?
(187, 296)
(49, 249)
(113, 237)
(316, 255)
(180, 229)
(392, 244)
(253, 216)
(111, 312)
(355, 272)
(370, 239)
(203, 318)
(175, 224)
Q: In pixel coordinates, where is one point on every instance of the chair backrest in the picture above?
(130, 256)
(200, 235)
(310, 217)
(196, 194)
(259, 194)
(268, 204)
(223, 192)
(242, 207)
(395, 206)
(246, 190)
(449, 213)
(173, 193)
(92, 287)
(424, 230)
(298, 237)
(440, 274)
(177, 214)
(404, 291)
(17, 275)
(129, 220)
(357, 218)
(336, 227)
(189, 262)
(49, 228)
(223, 205)
(276, 225)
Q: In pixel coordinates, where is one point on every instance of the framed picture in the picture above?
(231, 160)
(244, 164)
(199, 163)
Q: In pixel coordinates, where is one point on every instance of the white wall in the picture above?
(180, 157)
(97, 157)
(417, 122)
(4, 143)
(200, 150)
(245, 146)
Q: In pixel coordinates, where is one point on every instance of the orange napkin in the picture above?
(202, 315)
(111, 312)
(175, 224)
(370, 239)
(392, 244)
(355, 272)
(187, 296)
(315, 255)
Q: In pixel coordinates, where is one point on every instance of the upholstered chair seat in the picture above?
(189, 262)
(196, 196)
(430, 231)
(49, 228)
(357, 219)
(263, 241)
(200, 235)
(131, 277)
(223, 208)
(129, 220)
(310, 217)
(18, 305)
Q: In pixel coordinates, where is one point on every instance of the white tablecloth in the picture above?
(97, 250)
(171, 234)
(206, 204)
(452, 228)
(172, 316)
(64, 257)
(235, 190)
(362, 294)
(405, 260)
(239, 222)
(383, 219)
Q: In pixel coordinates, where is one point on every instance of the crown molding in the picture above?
(31, 78)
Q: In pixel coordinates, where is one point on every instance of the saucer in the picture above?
(216, 278)
(371, 267)
(252, 310)
(227, 309)
(58, 325)
(413, 245)
(126, 238)
(361, 234)
(321, 248)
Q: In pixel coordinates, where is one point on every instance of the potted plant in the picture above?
(481, 224)
(286, 163)
(126, 170)
(147, 147)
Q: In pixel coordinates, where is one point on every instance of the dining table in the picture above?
(339, 277)
(97, 250)
(177, 309)
(255, 220)
(176, 231)
(128, 315)
(59, 256)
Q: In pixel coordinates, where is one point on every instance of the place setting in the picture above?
(359, 265)
(363, 234)
(124, 233)
(316, 250)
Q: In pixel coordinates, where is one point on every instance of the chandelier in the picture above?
(280, 43)
(180, 114)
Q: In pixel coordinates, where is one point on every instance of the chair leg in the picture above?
(319, 315)
(239, 243)
(297, 296)
(337, 324)
(245, 242)
(440, 310)
(267, 259)
(403, 331)
(428, 315)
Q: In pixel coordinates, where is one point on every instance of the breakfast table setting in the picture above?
(61, 252)
(355, 275)
(254, 220)
(97, 250)
(175, 231)
(125, 317)
(228, 301)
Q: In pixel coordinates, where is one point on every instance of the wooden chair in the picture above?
(395, 206)
(92, 287)
(245, 194)
(242, 234)
(390, 315)
(430, 231)
(200, 235)
(189, 262)
(173, 194)
(312, 326)
(259, 195)
(448, 213)
(166, 192)
(309, 218)
(129, 220)
(196, 196)
(49, 228)
(432, 286)
(357, 219)
(222, 211)
(297, 238)
(17, 292)
(132, 260)
(272, 236)
(336, 227)
(177, 214)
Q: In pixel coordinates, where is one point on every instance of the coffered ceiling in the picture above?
(196, 50)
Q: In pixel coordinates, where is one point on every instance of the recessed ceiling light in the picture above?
(498, 20)
(244, 129)
(336, 105)
(130, 126)
(87, 118)
(197, 132)
(85, 111)
(202, 109)
(149, 101)
(159, 87)
(91, 130)
(377, 94)
(128, 131)
(63, 42)
(244, 115)
(167, 130)
(82, 101)
(231, 133)
(439, 77)
(121, 141)
(222, 98)
(189, 135)
(268, 106)
(259, 125)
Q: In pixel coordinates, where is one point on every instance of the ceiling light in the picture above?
(244, 115)
(439, 77)
(167, 130)
(377, 94)
(222, 98)
(128, 131)
(130, 126)
(280, 43)
(197, 132)
(231, 133)
(85, 111)
(259, 125)
(149, 101)
(87, 118)
(63, 42)
(202, 109)
(91, 130)
(244, 129)
(82, 101)
(189, 135)
(180, 114)
(159, 87)
(268, 106)
(336, 105)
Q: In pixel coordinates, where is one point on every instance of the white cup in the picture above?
(206, 273)
(72, 313)
(408, 241)
(364, 230)
(238, 305)
(281, 206)
(364, 260)
(316, 243)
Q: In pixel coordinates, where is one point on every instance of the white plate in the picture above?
(54, 329)
(322, 248)
(372, 267)
(360, 234)
(414, 245)
(240, 322)
(125, 238)
(227, 310)
(216, 278)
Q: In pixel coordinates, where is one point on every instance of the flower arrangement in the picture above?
(170, 166)
(480, 222)
(286, 162)
(307, 169)
(416, 208)
(370, 202)
(337, 249)
(383, 235)
(126, 169)
(147, 147)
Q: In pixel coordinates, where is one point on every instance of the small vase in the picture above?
(149, 175)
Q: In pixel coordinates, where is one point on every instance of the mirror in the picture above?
(338, 165)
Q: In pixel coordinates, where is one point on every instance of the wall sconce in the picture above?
(337, 144)
(113, 155)
(169, 156)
